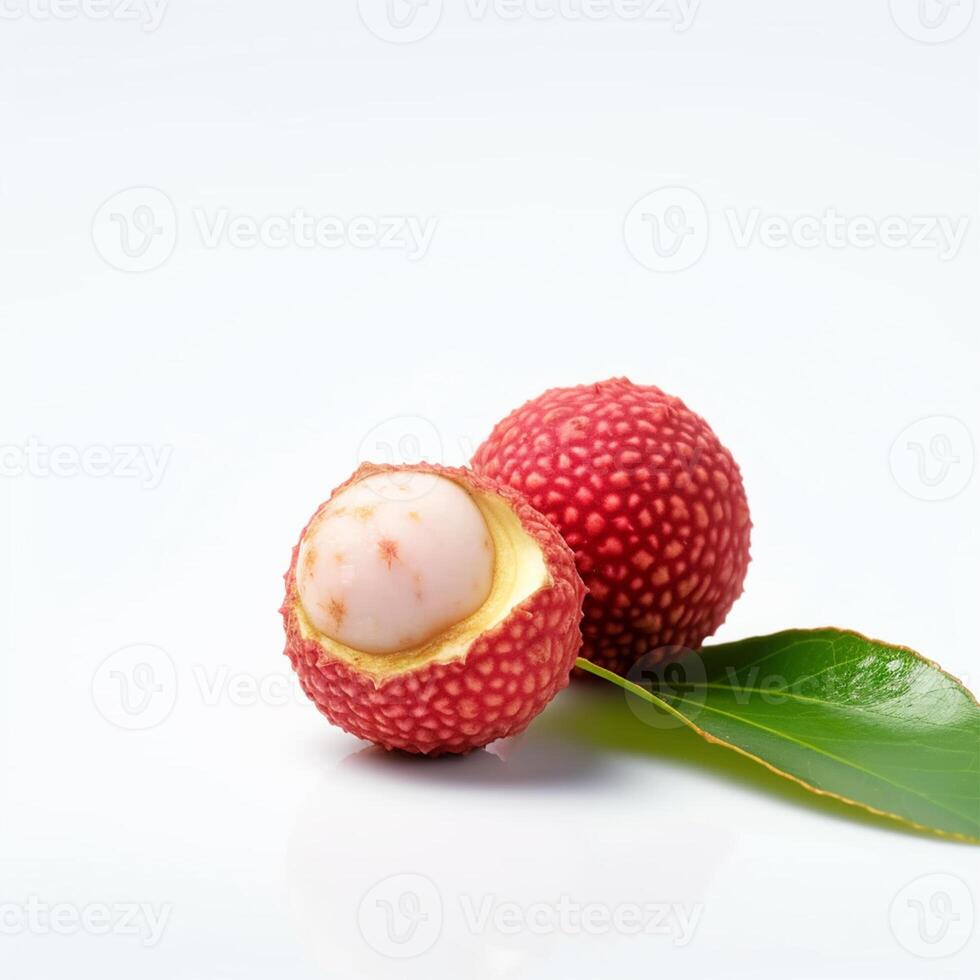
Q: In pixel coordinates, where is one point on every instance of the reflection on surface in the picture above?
(400, 866)
(535, 758)
(595, 715)
(487, 865)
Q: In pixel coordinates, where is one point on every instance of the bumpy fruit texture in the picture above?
(404, 640)
(648, 499)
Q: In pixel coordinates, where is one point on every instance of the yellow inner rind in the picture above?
(519, 572)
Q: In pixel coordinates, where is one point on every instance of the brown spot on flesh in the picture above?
(388, 550)
(417, 580)
(309, 562)
(414, 515)
(365, 513)
(336, 609)
(339, 558)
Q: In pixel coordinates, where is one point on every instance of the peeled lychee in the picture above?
(648, 499)
(431, 610)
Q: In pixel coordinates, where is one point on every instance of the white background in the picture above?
(260, 375)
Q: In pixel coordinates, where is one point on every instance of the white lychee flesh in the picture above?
(394, 561)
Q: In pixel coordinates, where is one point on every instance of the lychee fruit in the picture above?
(649, 500)
(429, 609)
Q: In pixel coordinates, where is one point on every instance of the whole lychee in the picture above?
(649, 500)
(431, 610)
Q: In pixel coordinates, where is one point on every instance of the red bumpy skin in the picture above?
(649, 500)
(506, 677)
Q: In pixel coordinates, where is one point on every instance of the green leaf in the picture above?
(872, 724)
